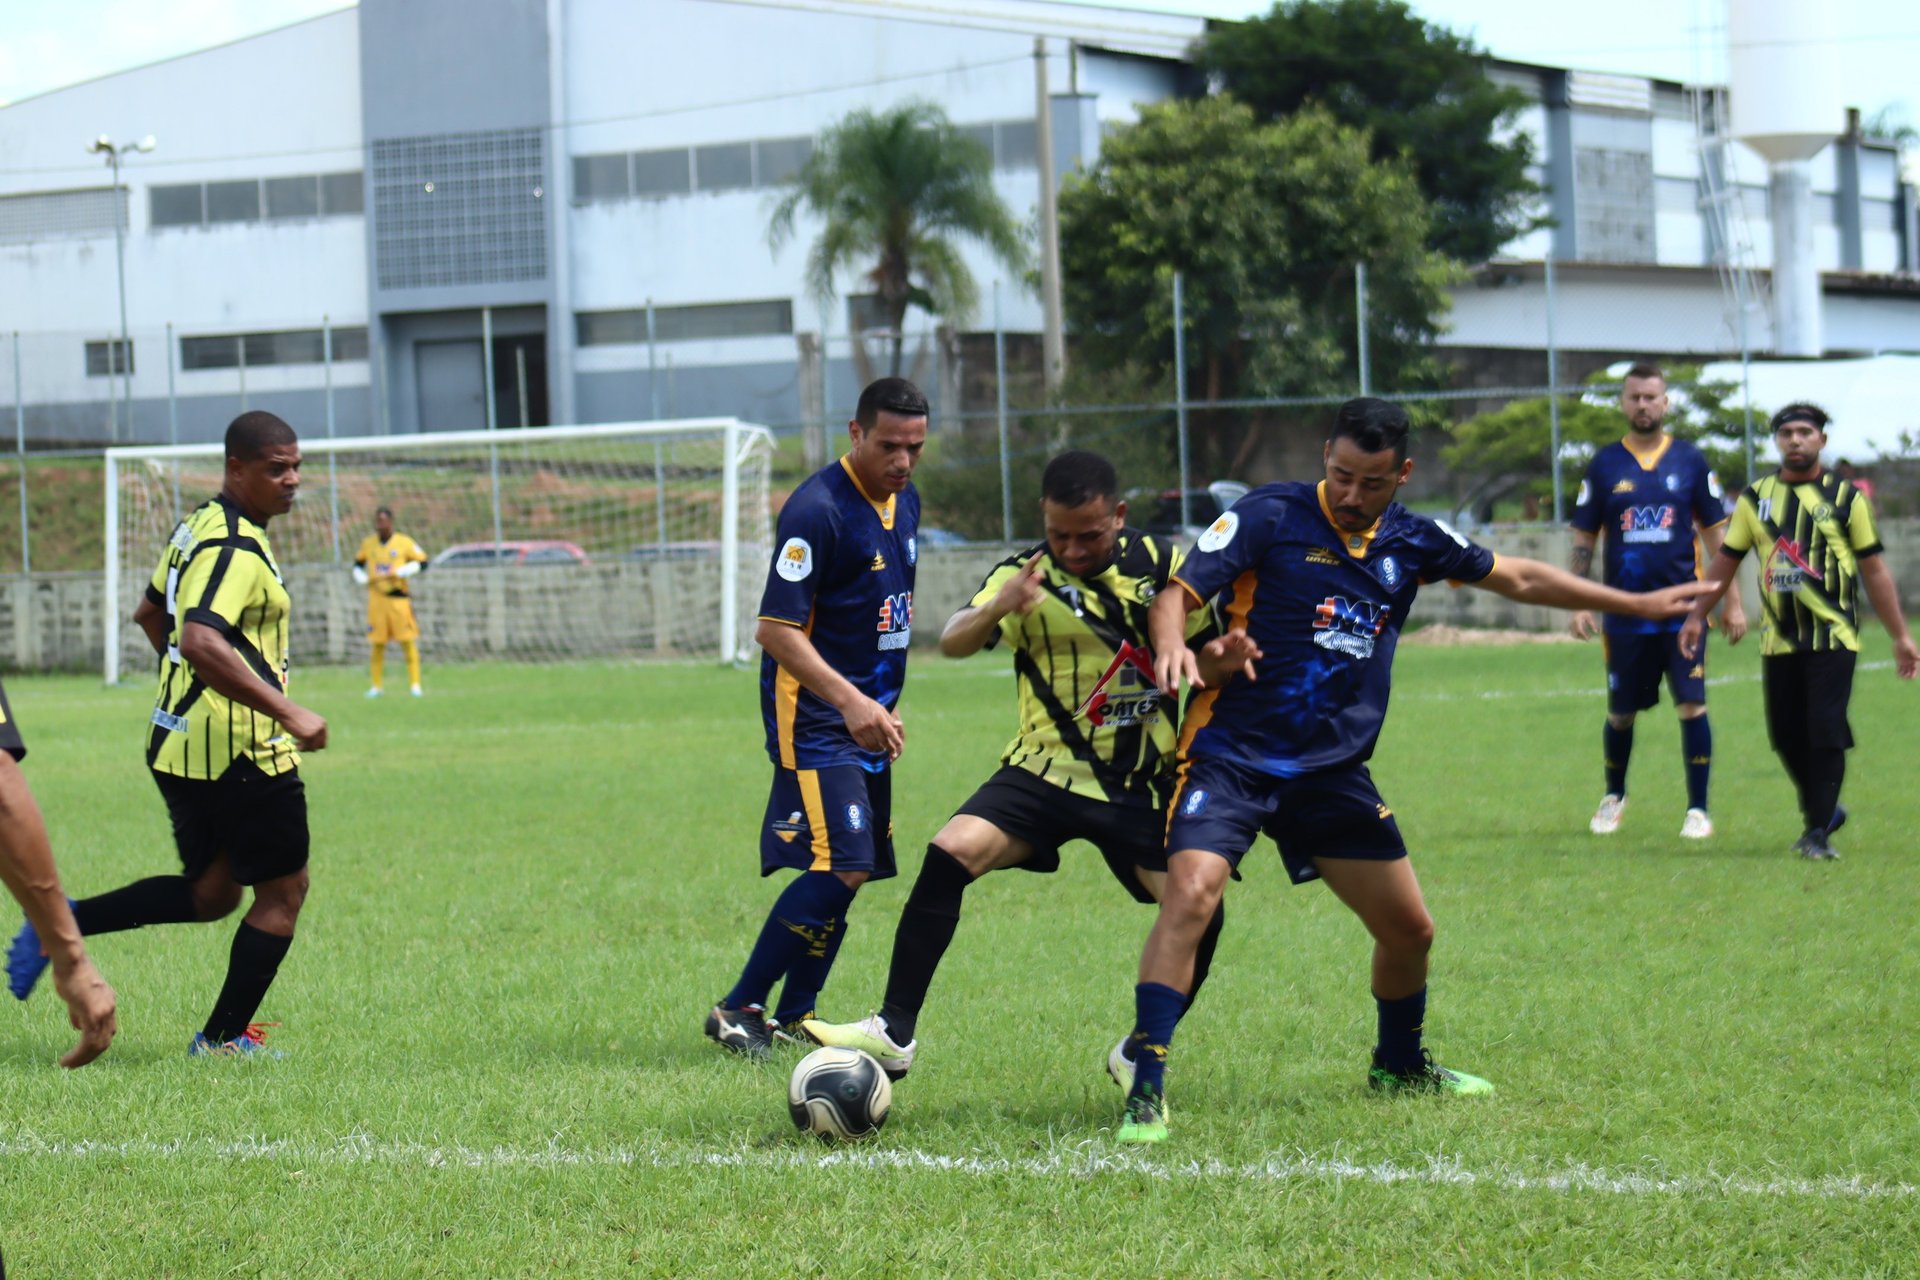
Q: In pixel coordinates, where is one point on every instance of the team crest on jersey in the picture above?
(896, 621)
(1673, 484)
(794, 824)
(1194, 804)
(1126, 694)
(1389, 571)
(1349, 626)
(856, 818)
(913, 550)
(795, 560)
(1647, 524)
(1220, 532)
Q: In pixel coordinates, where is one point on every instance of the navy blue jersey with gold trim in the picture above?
(843, 573)
(1325, 606)
(1648, 510)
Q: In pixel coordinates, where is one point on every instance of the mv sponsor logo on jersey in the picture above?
(896, 621)
(1126, 694)
(1647, 524)
(1349, 626)
(1788, 567)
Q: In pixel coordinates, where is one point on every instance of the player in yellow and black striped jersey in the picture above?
(1815, 537)
(1093, 756)
(224, 740)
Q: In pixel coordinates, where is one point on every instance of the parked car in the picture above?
(1161, 510)
(527, 552)
(931, 536)
(705, 549)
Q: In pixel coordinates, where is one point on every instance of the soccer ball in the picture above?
(839, 1094)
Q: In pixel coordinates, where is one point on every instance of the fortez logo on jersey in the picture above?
(1646, 524)
(1126, 694)
(896, 621)
(1788, 567)
(1349, 626)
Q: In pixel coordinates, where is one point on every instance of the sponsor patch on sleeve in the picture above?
(795, 560)
(1220, 532)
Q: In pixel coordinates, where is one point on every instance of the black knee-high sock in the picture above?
(924, 933)
(1203, 955)
(1820, 793)
(155, 900)
(254, 961)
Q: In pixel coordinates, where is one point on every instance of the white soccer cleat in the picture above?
(1697, 826)
(417, 692)
(1120, 1066)
(869, 1035)
(1606, 819)
(374, 692)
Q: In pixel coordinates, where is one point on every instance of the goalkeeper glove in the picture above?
(408, 569)
(360, 575)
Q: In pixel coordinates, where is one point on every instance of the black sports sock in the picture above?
(926, 929)
(1203, 955)
(254, 961)
(155, 900)
(1820, 793)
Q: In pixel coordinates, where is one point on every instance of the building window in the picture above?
(182, 206)
(601, 178)
(233, 201)
(781, 159)
(661, 173)
(292, 346)
(107, 359)
(61, 215)
(293, 197)
(697, 322)
(1017, 145)
(865, 313)
(724, 168)
(342, 193)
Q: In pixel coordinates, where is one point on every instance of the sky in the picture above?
(46, 45)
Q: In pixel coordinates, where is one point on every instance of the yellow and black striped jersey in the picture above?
(382, 561)
(218, 570)
(10, 741)
(1063, 649)
(1811, 538)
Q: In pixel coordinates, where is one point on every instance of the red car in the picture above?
(474, 555)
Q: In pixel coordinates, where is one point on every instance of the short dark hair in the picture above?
(250, 435)
(890, 395)
(1646, 370)
(383, 511)
(1373, 424)
(1801, 411)
(1077, 477)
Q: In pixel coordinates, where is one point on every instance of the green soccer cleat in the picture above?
(869, 1036)
(1146, 1119)
(1427, 1077)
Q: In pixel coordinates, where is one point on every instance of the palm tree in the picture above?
(895, 189)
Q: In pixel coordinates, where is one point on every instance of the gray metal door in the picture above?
(452, 379)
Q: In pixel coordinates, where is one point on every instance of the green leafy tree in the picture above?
(1507, 453)
(1265, 224)
(896, 191)
(1421, 91)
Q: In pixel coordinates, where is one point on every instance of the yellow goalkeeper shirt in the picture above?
(382, 561)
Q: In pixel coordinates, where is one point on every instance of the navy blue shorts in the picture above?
(1220, 807)
(1636, 662)
(835, 819)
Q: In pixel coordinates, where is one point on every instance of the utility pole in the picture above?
(1053, 340)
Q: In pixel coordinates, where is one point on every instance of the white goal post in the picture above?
(625, 540)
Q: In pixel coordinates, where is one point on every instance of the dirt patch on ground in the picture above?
(1449, 636)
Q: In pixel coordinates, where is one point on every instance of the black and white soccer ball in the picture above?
(839, 1094)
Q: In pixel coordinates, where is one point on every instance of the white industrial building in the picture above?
(392, 181)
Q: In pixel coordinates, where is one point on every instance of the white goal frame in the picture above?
(739, 440)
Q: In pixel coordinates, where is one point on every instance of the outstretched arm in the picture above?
(1535, 582)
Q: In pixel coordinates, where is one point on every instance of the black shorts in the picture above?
(10, 730)
(1221, 807)
(1046, 817)
(258, 820)
(1636, 662)
(1807, 696)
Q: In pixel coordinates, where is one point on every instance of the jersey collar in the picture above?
(1649, 461)
(882, 509)
(1357, 544)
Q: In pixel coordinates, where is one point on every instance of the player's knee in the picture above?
(1190, 895)
(215, 899)
(1620, 722)
(1410, 933)
(852, 879)
(277, 902)
(1692, 710)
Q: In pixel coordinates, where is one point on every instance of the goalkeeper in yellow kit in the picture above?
(384, 563)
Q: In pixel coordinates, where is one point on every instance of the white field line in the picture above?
(1086, 1162)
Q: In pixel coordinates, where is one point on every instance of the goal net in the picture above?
(641, 540)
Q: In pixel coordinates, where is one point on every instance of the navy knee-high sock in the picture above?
(800, 994)
(1616, 748)
(1401, 1022)
(1696, 747)
(801, 920)
(1156, 1012)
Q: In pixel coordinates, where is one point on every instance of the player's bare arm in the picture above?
(1535, 582)
(968, 630)
(1582, 625)
(873, 726)
(153, 620)
(1733, 615)
(1721, 571)
(1167, 637)
(224, 671)
(1884, 595)
(26, 867)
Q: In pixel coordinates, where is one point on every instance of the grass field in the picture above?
(529, 886)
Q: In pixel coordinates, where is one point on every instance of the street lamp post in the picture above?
(103, 145)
